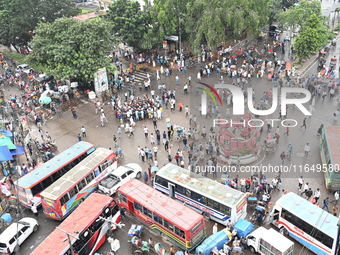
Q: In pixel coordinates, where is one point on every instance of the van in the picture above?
(16, 234)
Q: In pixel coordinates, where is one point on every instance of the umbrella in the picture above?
(13, 98)
(45, 100)
(154, 169)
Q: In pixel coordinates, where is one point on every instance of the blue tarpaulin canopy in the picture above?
(6, 133)
(18, 151)
(6, 141)
(243, 227)
(5, 154)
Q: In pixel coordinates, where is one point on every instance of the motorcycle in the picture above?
(47, 156)
(51, 145)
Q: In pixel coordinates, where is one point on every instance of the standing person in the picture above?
(172, 250)
(325, 204)
(122, 212)
(309, 193)
(259, 219)
(41, 132)
(300, 182)
(142, 154)
(11, 183)
(305, 188)
(79, 138)
(336, 197)
(145, 177)
(307, 149)
(83, 131)
(34, 210)
(48, 137)
(215, 229)
(287, 130)
(317, 195)
(155, 150)
(74, 112)
(146, 132)
(177, 80)
(304, 123)
(282, 157)
(115, 141)
(335, 210)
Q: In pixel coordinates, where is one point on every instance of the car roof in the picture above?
(22, 65)
(121, 170)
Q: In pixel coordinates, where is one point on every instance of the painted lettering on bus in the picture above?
(195, 205)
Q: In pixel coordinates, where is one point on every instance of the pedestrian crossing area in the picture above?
(141, 76)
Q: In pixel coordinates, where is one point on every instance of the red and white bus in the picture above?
(86, 224)
(64, 195)
(171, 219)
(30, 185)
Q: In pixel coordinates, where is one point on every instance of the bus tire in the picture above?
(285, 232)
(206, 216)
(252, 249)
(164, 237)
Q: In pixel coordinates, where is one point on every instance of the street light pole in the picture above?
(69, 239)
(179, 35)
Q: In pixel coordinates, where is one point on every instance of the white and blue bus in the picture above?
(307, 223)
(210, 198)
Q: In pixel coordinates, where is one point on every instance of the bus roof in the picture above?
(60, 160)
(161, 204)
(79, 220)
(206, 186)
(309, 212)
(333, 141)
(82, 169)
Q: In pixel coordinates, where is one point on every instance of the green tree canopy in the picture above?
(128, 20)
(18, 18)
(298, 14)
(73, 49)
(212, 21)
(313, 35)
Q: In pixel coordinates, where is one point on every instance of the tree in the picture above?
(313, 35)
(277, 6)
(19, 18)
(212, 22)
(298, 14)
(128, 20)
(73, 49)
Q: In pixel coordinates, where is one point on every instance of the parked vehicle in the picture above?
(16, 234)
(269, 242)
(25, 68)
(118, 177)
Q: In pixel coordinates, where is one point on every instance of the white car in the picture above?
(24, 68)
(16, 234)
(118, 177)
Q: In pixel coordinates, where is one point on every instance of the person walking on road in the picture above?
(336, 197)
(307, 149)
(317, 195)
(74, 112)
(325, 204)
(215, 229)
(304, 123)
(83, 131)
(282, 157)
(300, 181)
(305, 188)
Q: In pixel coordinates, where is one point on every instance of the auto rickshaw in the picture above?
(321, 64)
(322, 54)
(333, 61)
(327, 49)
(333, 43)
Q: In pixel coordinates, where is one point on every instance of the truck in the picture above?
(269, 242)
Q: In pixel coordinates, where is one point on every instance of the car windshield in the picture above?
(110, 181)
(3, 245)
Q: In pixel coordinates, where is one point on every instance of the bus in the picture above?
(63, 196)
(87, 224)
(307, 223)
(212, 199)
(30, 185)
(175, 222)
(330, 156)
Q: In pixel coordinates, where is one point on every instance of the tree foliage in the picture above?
(73, 49)
(128, 20)
(277, 6)
(213, 21)
(313, 35)
(19, 18)
(298, 14)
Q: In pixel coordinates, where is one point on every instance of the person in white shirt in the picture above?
(300, 181)
(214, 230)
(307, 149)
(336, 197)
(305, 188)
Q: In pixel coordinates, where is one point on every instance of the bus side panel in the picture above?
(74, 202)
(311, 245)
(52, 209)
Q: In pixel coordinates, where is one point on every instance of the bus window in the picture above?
(64, 199)
(81, 184)
(179, 232)
(137, 206)
(150, 214)
(193, 195)
(166, 224)
(145, 211)
(216, 206)
(171, 227)
(114, 209)
(225, 209)
(179, 189)
(73, 191)
(210, 203)
(97, 171)
(188, 193)
(155, 217)
(276, 214)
